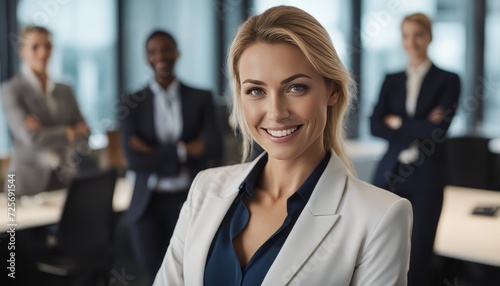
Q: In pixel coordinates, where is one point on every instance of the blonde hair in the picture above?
(421, 19)
(291, 25)
(25, 31)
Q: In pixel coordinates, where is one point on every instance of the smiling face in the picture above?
(284, 100)
(35, 51)
(416, 39)
(162, 55)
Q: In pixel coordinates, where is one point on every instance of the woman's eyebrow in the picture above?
(295, 76)
(254, 81)
(285, 81)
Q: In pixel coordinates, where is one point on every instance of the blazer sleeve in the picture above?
(77, 117)
(77, 114)
(385, 260)
(420, 128)
(171, 272)
(15, 113)
(377, 123)
(163, 160)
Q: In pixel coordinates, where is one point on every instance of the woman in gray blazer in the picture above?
(44, 121)
(296, 215)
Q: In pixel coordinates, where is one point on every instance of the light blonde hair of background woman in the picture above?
(290, 25)
(27, 30)
(421, 19)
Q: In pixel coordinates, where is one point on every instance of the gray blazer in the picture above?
(36, 152)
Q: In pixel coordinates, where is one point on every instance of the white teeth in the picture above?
(281, 133)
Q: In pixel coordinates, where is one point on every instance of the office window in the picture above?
(334, 15)
(383, 52)
(491, 80)
(84, 52)
(4, 135)
(5, 61)
(192, 23)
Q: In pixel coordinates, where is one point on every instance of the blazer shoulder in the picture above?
(395, 75)
(222, 174)
(445, 73)
(194, 91)
(13, 84)
(64, 89)
(374, 200)
(63, 86)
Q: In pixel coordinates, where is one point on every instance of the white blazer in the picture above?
(350, 233)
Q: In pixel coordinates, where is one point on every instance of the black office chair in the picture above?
(470, 162)
(83, 246)
(494, 148)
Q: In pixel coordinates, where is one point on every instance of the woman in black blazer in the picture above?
(413, 113)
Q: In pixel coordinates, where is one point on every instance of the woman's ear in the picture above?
(20, 51)
(334, 94)
(334, 97)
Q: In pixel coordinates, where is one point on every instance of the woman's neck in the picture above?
(416, 61)
(281, 178)
(42, 78)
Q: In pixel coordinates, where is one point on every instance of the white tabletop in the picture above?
(464, 236)
(46, 208)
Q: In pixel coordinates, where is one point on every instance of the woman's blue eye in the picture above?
(255, 91)
(296, 88)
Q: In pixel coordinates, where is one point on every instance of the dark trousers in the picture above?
(151, 233)
(426, 198)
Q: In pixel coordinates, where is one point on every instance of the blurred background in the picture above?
(99, 51)
(99, 48)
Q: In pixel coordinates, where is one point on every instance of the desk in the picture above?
(464, 236)
(49, 212)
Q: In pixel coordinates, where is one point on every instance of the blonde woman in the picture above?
(413, 114)
(43, 119)
(295, 215)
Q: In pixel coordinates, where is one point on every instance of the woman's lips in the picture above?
(282, 132)
(281, 135)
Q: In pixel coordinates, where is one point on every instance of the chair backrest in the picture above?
(470, 162)
(494, 148)
(87, 218)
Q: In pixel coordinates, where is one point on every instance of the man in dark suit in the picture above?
(169, 134)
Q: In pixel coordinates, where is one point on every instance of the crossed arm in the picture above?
(27, 128)
(387, 125)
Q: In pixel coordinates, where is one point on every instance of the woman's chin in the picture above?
(281, 154)
(38, 68)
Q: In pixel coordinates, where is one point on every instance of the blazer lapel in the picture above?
(312, 226)
(213, 206)
(186, 108)
(399, 97)
(426, 92)
(34, 99)
(147, 114)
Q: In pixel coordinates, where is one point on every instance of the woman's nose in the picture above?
(44, 53)
(277, 110)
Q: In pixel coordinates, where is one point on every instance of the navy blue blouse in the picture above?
(223, 266)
